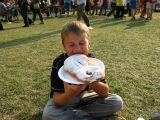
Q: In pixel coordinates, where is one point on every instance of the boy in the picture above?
(68, 101)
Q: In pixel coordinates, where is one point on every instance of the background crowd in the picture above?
(11, 9)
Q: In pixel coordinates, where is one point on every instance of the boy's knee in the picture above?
(117, 103)
(45, 116)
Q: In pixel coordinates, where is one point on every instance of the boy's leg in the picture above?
(103, 107)
(51, 112)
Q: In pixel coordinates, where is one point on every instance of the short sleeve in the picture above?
(56, 82)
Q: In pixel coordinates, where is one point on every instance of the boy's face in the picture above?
(76, 44)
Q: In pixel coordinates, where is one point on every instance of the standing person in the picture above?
(37, 10)
(67, 6)
(16, 12)
(67, 100)
(88, 7)
(142, 8)
(1, 26)
(73, 6)
(128, 8)
(95, 7)
(134, 7)
(112, 8)
(103, 7)
(119, 9)
(81, 12)
(57, 7)
(24, 8)
(3, 10)
(150, 4)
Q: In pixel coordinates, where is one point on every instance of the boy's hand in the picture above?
(90, 74)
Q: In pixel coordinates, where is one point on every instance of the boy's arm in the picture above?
(61, 99)
(70, 91)
(102, 89)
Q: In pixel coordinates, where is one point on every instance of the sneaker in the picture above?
(155, 116)
(25, 26)
(42, 22)
(90, 28)
(31, 23)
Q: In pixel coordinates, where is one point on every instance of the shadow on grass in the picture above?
(113, 22)
(19, 27)
(27, 116)
(136, 23)
(105, 22)
(12, 28)
(37, 116)
(26, 40)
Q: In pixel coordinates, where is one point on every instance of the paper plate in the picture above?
(65, 76)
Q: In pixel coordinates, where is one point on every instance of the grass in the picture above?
(130, 50)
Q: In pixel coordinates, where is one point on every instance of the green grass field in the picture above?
(130, 49)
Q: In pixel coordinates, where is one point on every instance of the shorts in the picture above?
(150, 5)
(67, 5)
(133, 4)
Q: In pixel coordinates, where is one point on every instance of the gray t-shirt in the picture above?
(81, 1)
(3, 8)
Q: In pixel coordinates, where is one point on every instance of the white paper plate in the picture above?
(65, 76)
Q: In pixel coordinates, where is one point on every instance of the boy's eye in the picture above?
(82, 43)
(71, 45)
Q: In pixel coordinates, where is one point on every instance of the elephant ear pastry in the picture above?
(83, 68)
(75, 62)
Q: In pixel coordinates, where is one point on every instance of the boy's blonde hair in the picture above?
(76, 27)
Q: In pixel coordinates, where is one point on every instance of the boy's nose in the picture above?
(77, 49)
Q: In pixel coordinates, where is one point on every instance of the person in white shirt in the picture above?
(81, 12)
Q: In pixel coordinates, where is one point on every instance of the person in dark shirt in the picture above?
(89, 101)
(1, 26)
(36, 10)
(3, 11)
(24, 8)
